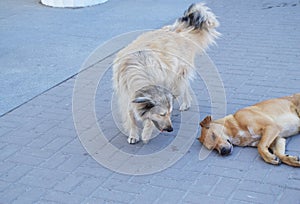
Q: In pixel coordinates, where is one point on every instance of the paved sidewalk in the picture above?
(43, 161)
(43, 46)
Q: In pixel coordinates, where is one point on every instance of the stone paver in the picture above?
(43, 161)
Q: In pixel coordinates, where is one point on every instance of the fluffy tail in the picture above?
(198, 16)
(199, 21)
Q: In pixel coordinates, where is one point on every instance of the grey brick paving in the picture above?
(43, 161)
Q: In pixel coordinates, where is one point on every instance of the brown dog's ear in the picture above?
(206, 122)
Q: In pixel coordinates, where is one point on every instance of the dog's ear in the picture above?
(143, 99)
(144, 104)
(206, 122)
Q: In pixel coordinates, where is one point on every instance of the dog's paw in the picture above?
(131, 140)
(291, 160)
(276, 161)
(145, 141)
(184, 107)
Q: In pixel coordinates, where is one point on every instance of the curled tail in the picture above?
(198, 17)
(199, 21)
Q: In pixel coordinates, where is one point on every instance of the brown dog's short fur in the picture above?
(264, 125)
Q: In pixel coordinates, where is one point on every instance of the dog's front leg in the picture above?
(147, 131)
(269, 135)
(278, 148)
(133, 134)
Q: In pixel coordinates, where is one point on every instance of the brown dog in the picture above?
(263, 125)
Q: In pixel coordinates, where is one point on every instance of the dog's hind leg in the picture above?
(147, 131)
(186, 103)
(133, 129)
(269, 135)
(278, 148)
(186, 98)
(183, 88)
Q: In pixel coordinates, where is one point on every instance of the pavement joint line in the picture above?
(257, 60)
(65, 80)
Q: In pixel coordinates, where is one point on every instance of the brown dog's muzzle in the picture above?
(226, 149)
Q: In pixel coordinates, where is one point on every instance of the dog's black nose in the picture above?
(169, 129)
(225, 151)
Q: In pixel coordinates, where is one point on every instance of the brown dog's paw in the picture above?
(278, 161)
(291, 160)
(275, 161)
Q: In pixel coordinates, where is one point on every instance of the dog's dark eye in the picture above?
(163, 114)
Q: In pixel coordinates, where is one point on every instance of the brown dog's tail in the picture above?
(199, 21)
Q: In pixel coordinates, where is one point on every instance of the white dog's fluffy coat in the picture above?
(156, 67)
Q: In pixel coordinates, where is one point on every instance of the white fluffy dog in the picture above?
(156, 67)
